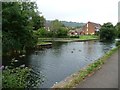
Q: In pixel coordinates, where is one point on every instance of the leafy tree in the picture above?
(118, 29)
(38, 22)
(58, 29)
(62, 32)
(107, 32)
(42, 32)
(17, 25)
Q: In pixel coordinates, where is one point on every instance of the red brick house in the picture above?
(90, 28)
(75, 32)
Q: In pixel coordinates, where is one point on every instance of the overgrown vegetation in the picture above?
(15, 78)
(19, 77)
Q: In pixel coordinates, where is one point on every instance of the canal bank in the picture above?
(93, 76)
(43, 45)
(107, 77)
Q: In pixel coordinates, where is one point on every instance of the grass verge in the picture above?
(88, 37)
(83, 73)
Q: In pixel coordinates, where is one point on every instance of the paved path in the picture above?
(106, 77)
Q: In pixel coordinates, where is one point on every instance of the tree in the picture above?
(17, 25)
(62, 32)
(58, 29)
(107, 32)
(118, 29)
(38, 22)
(42, 32)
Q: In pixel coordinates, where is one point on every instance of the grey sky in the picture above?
(119, 11)
(99, 11)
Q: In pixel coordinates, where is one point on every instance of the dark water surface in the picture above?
(63, 59)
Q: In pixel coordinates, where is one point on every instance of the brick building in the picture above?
(90, 28)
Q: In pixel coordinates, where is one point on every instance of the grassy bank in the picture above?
(76, 78)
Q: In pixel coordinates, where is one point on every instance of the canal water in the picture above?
(63, 59)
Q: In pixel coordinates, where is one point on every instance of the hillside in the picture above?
(72, 24)
(67, 24)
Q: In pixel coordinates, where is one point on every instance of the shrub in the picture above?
(76, 36)
(19, 78)
(117, 43)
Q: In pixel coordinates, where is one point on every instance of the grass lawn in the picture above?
(87, 37)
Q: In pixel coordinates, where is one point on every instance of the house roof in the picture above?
(95, 24)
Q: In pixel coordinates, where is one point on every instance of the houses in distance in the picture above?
(89, 28)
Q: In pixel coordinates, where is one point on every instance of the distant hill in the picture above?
(67, 24)
(72, 24)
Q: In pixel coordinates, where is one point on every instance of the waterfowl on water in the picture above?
(80, 50)
(73, 48)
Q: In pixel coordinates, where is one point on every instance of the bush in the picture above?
(15, 78)
(107, 32)
(19, 78)
(76, 36)
(117, 43)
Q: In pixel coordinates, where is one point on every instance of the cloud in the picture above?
(80, 10)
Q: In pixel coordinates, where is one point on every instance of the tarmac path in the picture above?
(106, 77)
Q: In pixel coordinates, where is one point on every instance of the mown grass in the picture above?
(88, 71)
(87, 37)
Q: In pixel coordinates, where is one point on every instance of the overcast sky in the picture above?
(99, 11)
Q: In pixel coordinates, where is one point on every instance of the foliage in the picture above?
(19, 78)
(57, 29)
(118, 29)
(18, 20)
(76, 36)
(107, 32)
(38, 22)
(62, 32)
(15, 77)
(117, 43)
(42, 32)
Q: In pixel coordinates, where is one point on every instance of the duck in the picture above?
(79, 50)
(73, 48)
(22, 66)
